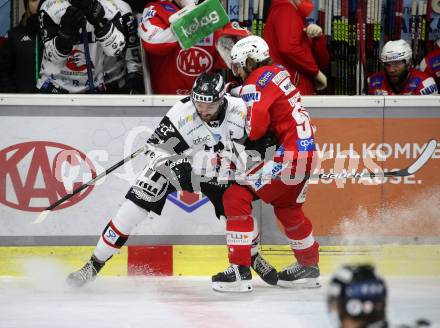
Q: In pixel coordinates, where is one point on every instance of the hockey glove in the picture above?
(320, 81)
(313, 30)
(135, 84)
(265, 146)
(178, 173)
(94, 12)
(70, 25)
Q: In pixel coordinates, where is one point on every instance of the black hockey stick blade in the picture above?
(43, 215)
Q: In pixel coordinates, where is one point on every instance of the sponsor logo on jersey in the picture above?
(280, 77)
(434, 62)
(286, 86)
(37, 173)
(185, 120)
(194, 61)
(295, 99)
(376, 81)
(168, 7)
(306, 144)
(149, 13)
(164, 129)
(413, 83)
(200, 139)
(188, 201)
(251, 97)
(430, 89)
(265, 174)
(265, 78)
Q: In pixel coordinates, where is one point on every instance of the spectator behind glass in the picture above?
(20, 54)
(123, 73)
(431, 63)
(398, 76)
(300, 48)
(172, 69)
(64, 64)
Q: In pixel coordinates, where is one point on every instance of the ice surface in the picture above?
(128, 302)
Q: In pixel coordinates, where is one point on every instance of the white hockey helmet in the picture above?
(249, 47)
(395, 51)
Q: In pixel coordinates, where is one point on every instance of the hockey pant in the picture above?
(148, 194)
(287, 201)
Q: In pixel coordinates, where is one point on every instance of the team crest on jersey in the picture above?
(265, 78)
(76, 61)
(188, 201)
(194, 61)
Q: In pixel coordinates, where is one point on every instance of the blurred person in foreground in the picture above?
(357, 298)
(299, 47)
(398, 76)
(20, 54)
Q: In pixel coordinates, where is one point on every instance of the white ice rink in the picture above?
(123, 302)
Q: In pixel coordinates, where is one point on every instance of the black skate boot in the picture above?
(236, 278)
(86, 274)
(266, 271)
(299, 276)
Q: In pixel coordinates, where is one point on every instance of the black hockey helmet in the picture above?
(208, 88)
(357, 292)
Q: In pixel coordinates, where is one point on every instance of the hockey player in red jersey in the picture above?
(431, 64)
(172, 69)
(398, 76)
(301, 48)
(274, 107)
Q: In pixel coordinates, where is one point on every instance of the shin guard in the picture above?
(239, 235)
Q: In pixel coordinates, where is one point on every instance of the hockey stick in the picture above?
(90, 84)
(47, 210)
(424, 156)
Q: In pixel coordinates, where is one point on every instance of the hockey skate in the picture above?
(86, 274)
(299, 276)
(263, 268)
(236, 278)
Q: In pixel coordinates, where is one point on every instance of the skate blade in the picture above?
(232, 287)
(300, 283)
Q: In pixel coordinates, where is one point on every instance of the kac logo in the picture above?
(33, 175)
(194, 61)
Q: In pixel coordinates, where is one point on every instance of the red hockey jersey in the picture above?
(274, 104)
(417, 83)
(431, 65)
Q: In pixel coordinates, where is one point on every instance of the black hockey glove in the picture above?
(178, 173)
(135, 84)
(70, 24)
(266, 145)
(94, 12)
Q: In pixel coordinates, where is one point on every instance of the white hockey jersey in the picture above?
(68, 73)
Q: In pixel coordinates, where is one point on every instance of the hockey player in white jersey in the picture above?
(123, 73)
(207, 122)
(64, 67)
